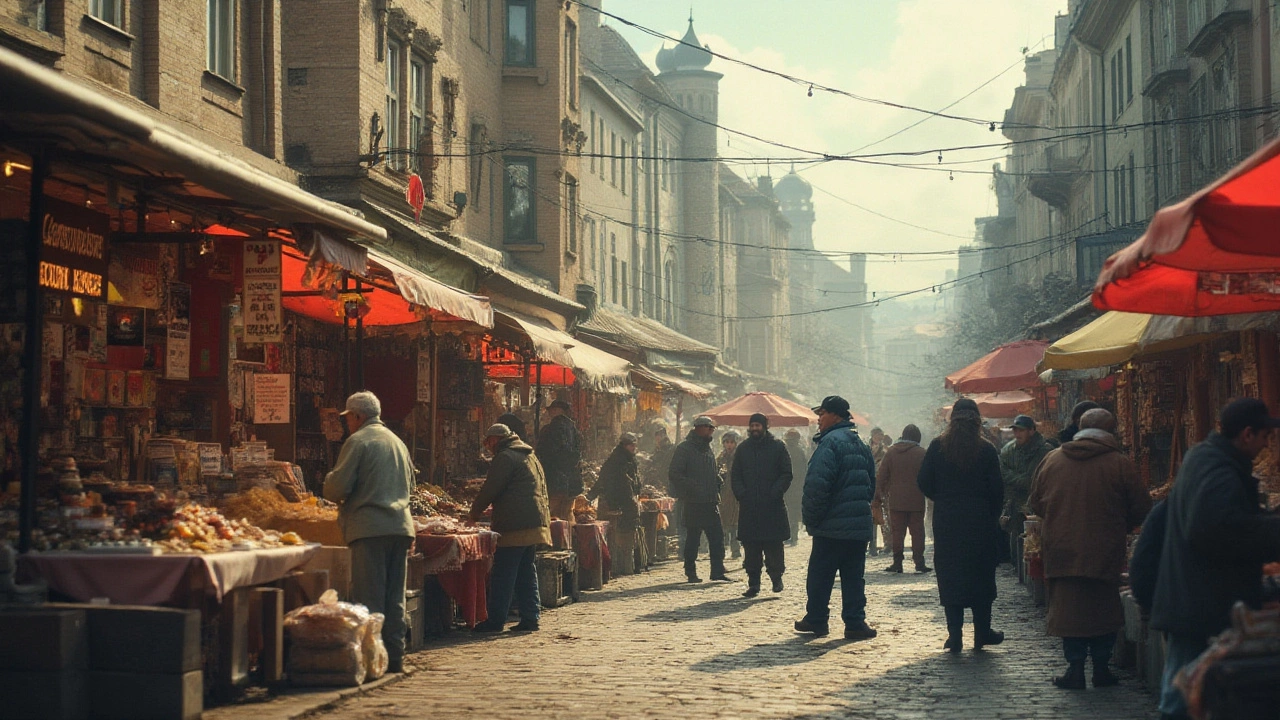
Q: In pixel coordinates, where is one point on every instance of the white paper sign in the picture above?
(177, 364)
(271, 393)
(424, 376)
(263, 315)
(210, 458)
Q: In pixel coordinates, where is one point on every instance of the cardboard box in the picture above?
(137, 639)
(40, 639)
(146, 696)
(56, 695)
(337, 560)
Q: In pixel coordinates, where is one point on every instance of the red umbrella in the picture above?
(1003, 404)
(1008, 367)
(1214, 253)
(780, 411)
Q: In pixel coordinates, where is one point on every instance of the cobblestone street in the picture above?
(653, 646)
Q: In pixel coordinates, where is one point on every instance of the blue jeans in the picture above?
(849, 558)
(1078, 649)
(1180, 651)
(514, 573)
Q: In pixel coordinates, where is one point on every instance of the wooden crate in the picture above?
(416, 613)
(337, 560)
(557, 578)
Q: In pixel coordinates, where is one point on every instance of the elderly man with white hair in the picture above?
(371, 483)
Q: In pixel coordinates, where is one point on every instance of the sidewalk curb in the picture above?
(297, 703)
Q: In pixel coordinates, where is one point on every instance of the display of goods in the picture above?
(428, 500)
(650, 491)
(335, 643)
(1031, 546)
(1252, 634)
(328, 623)
(583, 511)
(261, 506)
(197, 529)
(442, 525)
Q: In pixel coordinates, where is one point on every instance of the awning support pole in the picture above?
(433, 347)
(346, 345)
(537, 404)
(33, 341)
(359, 344)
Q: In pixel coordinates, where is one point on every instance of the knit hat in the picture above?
(759, 418)
(703, 421)
(627, 439)
(498, 430)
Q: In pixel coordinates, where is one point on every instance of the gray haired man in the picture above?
(371, 483)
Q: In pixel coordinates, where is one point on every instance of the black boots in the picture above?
(921, 567)
(896, 567)
(777, 584)
(1073, 679)
(718, 573)
(753, 588)
(805, 626)
(691, 572)
(955, 641)
(986, 637)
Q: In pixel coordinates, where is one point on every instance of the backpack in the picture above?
(1144, 567)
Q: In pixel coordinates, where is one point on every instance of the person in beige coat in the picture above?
(897, 489)
(1089, 495)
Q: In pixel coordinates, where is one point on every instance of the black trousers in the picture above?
(981, 617)
(763, 555)
(697, 521)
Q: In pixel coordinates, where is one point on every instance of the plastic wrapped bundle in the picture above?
(326, 642)
(375, 651)
(328, 623)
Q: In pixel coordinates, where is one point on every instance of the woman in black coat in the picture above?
(961, 475)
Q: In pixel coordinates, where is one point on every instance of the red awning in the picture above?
(1004, 404)
(551, 375)
(1008, 367)
(780, 411)
(1214, 253)
(385, 307)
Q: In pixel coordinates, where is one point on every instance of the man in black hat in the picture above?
(761, 476)
(695, 480)
(560, 450)
(1018, 462)
(1217, 538)
(838, 488)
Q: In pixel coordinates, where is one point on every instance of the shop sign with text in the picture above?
(263, 313)
(74, 253)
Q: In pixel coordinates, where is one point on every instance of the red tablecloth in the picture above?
(461, 564)
(592, 545)
(561, 534)
(159, 579)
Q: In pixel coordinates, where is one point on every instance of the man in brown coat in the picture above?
(896, 487)
(1089, 495)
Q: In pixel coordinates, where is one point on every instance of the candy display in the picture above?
(197, 529)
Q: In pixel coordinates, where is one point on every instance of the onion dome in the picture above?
(690, 54)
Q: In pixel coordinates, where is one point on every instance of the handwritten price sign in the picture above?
(263, 314)
(271, 398)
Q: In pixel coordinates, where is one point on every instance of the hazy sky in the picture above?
(925, 53)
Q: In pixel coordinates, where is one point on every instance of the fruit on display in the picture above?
(198, 529)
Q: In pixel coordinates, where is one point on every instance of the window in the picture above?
(518, 200)
(626, 285)
(112, 11)
(1133, 190)
(571, 63)
(221, 32)
(481, 17)
(1115, 85)
(602, 148)
(594, 151)
(1128, 68)
(613, 159)
(391, 121)
(1120, 195)
(520, 32)
(417, 113)
(603, 270)
(571, 211)
(589, 231)
(613, 266)
(623, 161)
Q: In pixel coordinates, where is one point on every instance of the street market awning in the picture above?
(592, 368)
(1118, 337)
(420, 289)
(1008, 367)
(780, 411)
(670, 383)
(647, 334)
(1000, 404)
(1214, 253)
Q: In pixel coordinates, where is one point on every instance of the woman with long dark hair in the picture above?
(961, 475)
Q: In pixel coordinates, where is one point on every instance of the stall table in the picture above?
(461, 564)
(561, 535)
(592, 548)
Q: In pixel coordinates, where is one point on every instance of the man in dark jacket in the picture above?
(1018, 462)
(618, 486)
(660, 461)
(1216, 541)
(838, 488)
(695, 481)
(1069, 432)
(795, 493)
(761, 476)
(560, 450)
(517, 489)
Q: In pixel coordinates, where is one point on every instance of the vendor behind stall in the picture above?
(372, 482)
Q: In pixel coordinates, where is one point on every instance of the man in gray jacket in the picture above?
(694, 480)
(371, 483)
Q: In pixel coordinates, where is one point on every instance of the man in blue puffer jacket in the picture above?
(838, 487)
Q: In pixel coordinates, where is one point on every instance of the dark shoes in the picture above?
(987, 637)
(395, 666)
(1103, 677)
(525, 626)
(720, 576)
(752, 591)
(954, 643)
(858, 632)
(777, 585)
(1073, 679)
(805, 626)
(894, 568)
(487, 627)
(922, 568)
(693, 578)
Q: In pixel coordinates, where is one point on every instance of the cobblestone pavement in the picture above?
(654, 646)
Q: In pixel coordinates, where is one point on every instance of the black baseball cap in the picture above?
(1023, 421)
(835, 405)
(1245, 413)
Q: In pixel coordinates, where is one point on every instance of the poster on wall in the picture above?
(136, 277)
(271, 394)
(125, 326)
(424, 376)
(177, 364)
(263, 314)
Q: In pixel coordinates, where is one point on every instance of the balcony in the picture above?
(1166, 76)
(1065, 162)
(1209, 21)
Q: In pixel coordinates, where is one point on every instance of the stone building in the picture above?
(754, 230)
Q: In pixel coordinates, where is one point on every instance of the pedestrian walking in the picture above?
(729, 503)
(660, 460)
(372, 482)
(961, 474)
(516, 487)
(879, 445)
(1088, 495)
(795, 493)
(760, 479)
(1216, 540)
(838, 488)
(560, 452)
(617, 488)
(1069, 432)
(1018, 461)
(695, 481)
(898, 491)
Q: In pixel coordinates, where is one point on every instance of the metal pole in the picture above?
(346, 343)
(33, 341)
(359, 344)
(537, 404)
(433, 347)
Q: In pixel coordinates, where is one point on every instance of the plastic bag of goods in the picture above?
(325, 642)
(375, 651)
